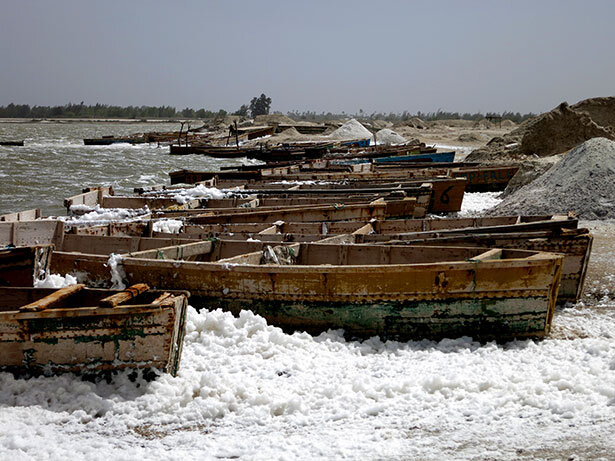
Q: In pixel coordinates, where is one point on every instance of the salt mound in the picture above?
(389, 137)
(582, 182)
(351, 130)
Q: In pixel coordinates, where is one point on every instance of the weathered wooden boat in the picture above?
(574, 244)
(478, 178)
(433, 157)
(11, 143)
(486, 179)
(23, 266)
(214, 151)
(396, 292)
(378, 209)
(90, 331)
(108, 140)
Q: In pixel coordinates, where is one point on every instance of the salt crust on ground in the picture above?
(247, 390)
(475, 203)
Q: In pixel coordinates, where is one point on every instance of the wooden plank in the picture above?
(176, 251)
(127, 294)
(494, 253)
(52, 299)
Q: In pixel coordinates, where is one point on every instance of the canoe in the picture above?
(23, 266)
(433, 157)
(88, 331)
(11, 143)
(395, 292)
(107, 141)
(548, 236)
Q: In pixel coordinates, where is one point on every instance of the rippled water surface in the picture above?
(54, 164)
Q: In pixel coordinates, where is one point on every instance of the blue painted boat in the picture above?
(436, 157)
(358, 143)
(439, 157)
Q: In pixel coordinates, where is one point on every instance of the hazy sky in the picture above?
(308, 55)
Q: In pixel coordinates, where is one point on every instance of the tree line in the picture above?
(81, 110)
(395, 117)
(260, 105)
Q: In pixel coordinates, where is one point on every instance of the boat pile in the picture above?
(358, 239)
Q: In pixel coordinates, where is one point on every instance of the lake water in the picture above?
(55, 164)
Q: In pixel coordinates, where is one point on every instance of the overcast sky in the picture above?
(328, 55)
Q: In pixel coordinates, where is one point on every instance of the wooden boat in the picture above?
(11, 143)
(404, 208)
(557, 234)
(486, 179)
(396, 292)
(22, 266)
(89, 331)
(108, 140)
(214, 151)
(433, 157)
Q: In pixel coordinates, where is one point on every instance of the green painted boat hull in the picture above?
(483, 319)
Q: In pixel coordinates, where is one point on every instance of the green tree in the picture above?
(260, 105)
(243, 110)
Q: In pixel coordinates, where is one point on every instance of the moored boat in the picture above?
(90, 331)
(23, 265)
(396, 292)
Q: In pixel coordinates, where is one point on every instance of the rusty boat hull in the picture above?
(395, 292)
(80, 336)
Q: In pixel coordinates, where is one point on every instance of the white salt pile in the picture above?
(388, 137)
(55, 281)
(198, 192)
(169, 226)
(117, 271)
(83, 214)
(475, 203)
(582, 182)
(352, 130)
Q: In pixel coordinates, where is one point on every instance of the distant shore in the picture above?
(96, 120)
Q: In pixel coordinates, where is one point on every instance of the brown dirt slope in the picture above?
(560, 130)
(553, 132)
(601, 110)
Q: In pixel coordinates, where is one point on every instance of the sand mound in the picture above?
(414, 122)
(389, 137)
(470, 137)
(582, 182)
(601, 110)
(273, 119)
(483, 124)
(553, 132)
(560, 130)
(351, 130)
(508, 124)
